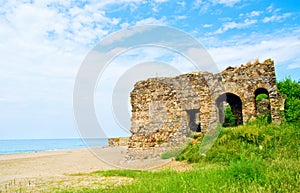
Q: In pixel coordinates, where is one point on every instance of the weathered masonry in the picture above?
(165, 110)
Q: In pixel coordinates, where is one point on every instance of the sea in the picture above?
(37, 145)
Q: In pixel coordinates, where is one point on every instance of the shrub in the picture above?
(263, 119)
(229, 119)
(261, 97)
(291, 89)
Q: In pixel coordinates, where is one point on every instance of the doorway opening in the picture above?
(194, 120)
(232, 102)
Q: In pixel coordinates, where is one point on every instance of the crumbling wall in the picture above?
(243, 81)
(119, 141)
(166, 110)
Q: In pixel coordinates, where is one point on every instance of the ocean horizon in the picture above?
(16, 146)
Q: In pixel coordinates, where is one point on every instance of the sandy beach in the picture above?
(58, 164)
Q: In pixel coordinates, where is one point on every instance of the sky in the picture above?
(43, 44)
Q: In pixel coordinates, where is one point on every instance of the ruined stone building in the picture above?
(165, 110)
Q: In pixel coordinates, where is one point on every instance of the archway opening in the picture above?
(262, 103)
(229, 102)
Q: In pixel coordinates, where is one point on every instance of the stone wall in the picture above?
(166, 110)
(119, 141)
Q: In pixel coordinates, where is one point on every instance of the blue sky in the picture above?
(43, 44)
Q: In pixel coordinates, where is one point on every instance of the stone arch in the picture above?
(262, 107)
(236, 105)
(261, 90)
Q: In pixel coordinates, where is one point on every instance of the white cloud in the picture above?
(234, 25)
(294, 65)
(255, 13)
(207, 25)
(179, 17)
(270, 8)
(204, 5)
(5, 100)
(34, 22)
(228, 3)
(155, 8)
(155, 5)
(152, 21)
(197, 3)
(275, 48)
(125, 33)
(43, 44)
(181, 3)
(160, 1)
(276, 18)
(124, 25)
(201, 5)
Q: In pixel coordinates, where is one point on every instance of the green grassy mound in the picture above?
(250, 158)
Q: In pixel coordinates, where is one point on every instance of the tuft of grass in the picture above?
(247, 170)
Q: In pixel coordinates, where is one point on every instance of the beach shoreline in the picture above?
(49, 164)
(59, 163)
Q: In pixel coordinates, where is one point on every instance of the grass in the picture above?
(240, 176)
(256, 157)
(172, 153)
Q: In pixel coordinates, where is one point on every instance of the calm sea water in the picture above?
(36, 145)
